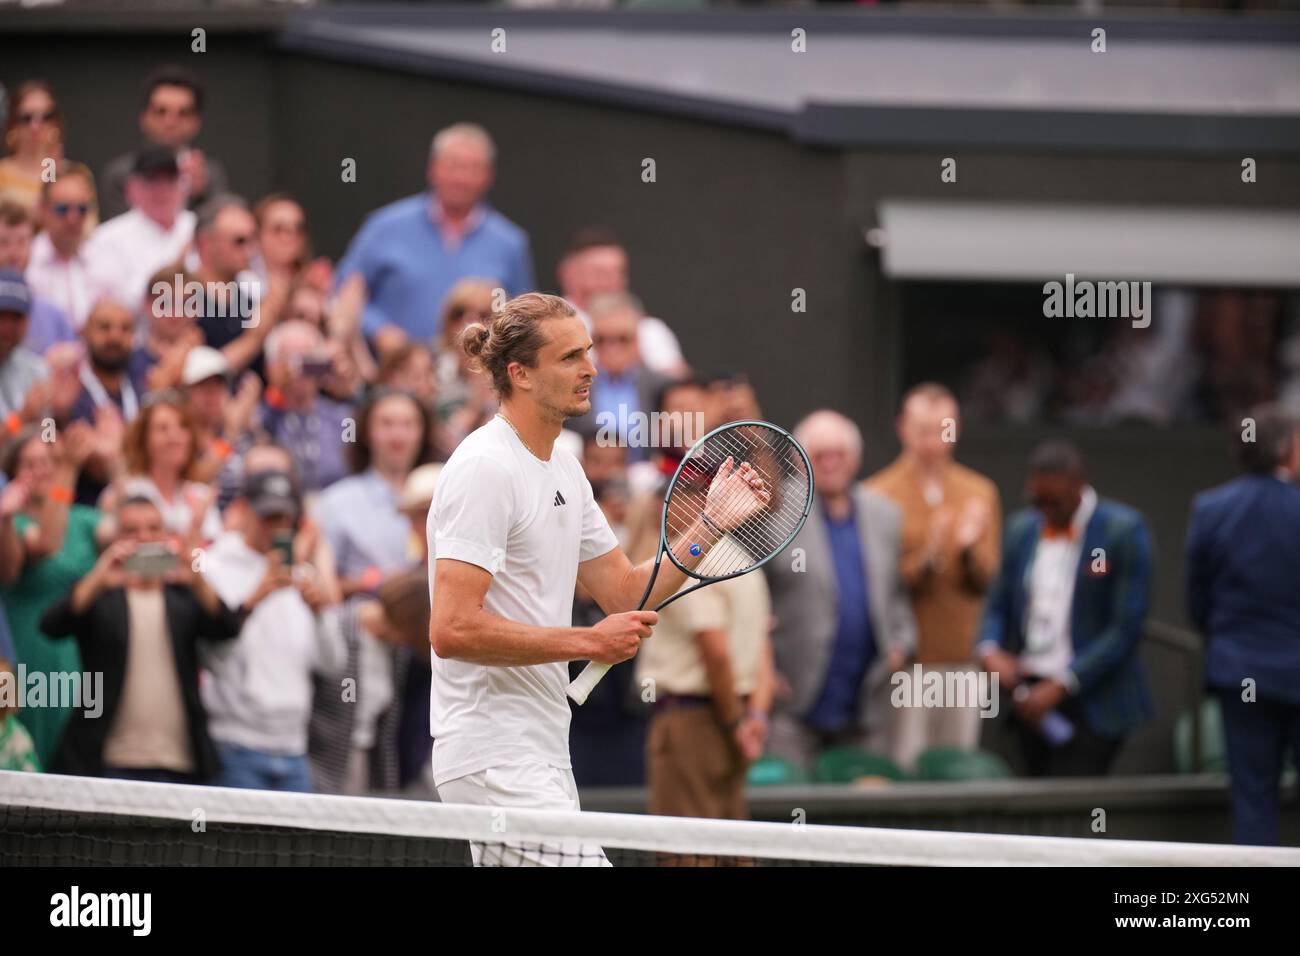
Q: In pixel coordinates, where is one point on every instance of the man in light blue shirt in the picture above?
(411, 252)
(625, 393)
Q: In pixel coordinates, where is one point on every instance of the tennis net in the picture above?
(51, 820)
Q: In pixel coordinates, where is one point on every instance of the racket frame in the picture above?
(584, 683)
(663, 517)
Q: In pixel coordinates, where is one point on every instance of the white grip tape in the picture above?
(586, 682)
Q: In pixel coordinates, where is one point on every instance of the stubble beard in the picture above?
(554, 411)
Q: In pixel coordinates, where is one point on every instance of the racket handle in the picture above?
(586, 682)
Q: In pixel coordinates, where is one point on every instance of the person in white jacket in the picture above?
(259, 695)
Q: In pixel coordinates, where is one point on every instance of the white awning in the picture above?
(1010, 242)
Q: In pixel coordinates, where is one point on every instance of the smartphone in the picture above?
(283, 543)
(316, 366)
(150, 561)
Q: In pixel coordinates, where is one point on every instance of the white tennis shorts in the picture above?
(532, 785)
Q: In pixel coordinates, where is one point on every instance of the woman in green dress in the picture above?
(46, 544)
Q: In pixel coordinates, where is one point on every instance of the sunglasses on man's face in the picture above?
(296, 228)
(612, 340)
(64, 209)
(240, 241)
(32, 118)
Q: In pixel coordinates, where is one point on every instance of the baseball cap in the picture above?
(420, 485)
(271, 493)
(154, 161)
(15, 295)
(203, 362)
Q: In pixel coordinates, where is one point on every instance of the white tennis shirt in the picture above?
(529, 523)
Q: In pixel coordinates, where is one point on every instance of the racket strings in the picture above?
(763, 459)
(778, 461)
(784, 509)
(687, 511)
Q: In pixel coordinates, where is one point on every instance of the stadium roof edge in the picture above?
(958, 21)
(442, 44)
(1042, 107)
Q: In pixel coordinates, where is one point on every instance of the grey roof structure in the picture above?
(866, 80)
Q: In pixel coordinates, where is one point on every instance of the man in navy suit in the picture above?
(1063, 619)
(1243, 552)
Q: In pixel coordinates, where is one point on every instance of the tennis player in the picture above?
(513, 526)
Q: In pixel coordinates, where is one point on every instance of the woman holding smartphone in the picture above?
(48, 543)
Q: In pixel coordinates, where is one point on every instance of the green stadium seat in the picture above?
(847, 764)
(951, 763)
(1214, 751)
(769, 771)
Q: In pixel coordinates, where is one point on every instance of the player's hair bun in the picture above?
(474, 339)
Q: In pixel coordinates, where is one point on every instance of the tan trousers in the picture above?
(693, 768)
(695, 771)
(915, 729)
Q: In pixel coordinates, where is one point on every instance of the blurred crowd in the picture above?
(220, 450)
(1209, 356)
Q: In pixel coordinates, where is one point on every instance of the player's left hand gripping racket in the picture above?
(708, 489)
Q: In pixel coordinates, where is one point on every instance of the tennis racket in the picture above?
(701, 502)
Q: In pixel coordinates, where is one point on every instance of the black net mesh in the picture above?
(31, 836)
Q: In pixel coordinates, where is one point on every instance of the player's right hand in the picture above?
(619, 636)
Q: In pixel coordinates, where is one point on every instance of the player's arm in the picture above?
(617, 584)
(461, 629)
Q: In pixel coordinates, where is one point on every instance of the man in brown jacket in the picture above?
(950, 551)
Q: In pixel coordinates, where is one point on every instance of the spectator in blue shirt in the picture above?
(411, 252)
(1243, 547)
(372, 540)
(623, 395)
(46, 322)
(359, 514)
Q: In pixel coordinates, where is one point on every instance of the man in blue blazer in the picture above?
(1243, 552)
(1063, 619)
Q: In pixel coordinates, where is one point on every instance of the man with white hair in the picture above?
(843, 618)
(411, 252)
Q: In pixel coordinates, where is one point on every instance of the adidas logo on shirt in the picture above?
(559, 499)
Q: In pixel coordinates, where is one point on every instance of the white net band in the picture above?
(814, 844)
